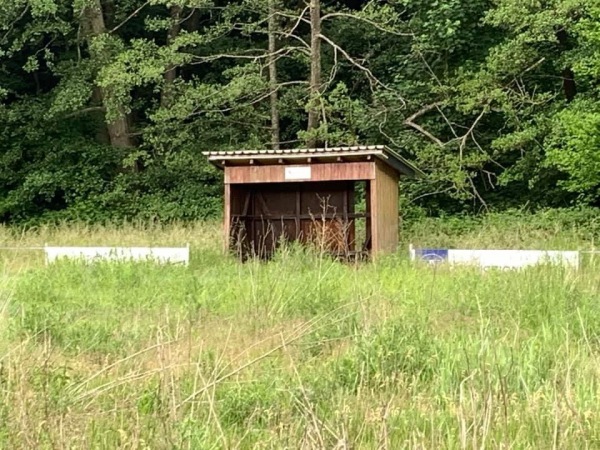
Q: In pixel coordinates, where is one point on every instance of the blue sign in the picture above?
(432, 254)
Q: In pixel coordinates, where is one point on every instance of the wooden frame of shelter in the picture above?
(310, 195)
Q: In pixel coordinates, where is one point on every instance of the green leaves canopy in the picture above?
(496, 100)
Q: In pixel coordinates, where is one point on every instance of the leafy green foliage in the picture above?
(107, 106)
(574, 147)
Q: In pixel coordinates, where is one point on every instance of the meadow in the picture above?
(302, 351)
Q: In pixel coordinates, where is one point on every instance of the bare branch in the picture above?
(533, 66)
(253, 57)
(423, 110)
(429, 194)
(12, 24)
(302, 41)
(410, 121)
(476, 193)
(300, 18)
(333, 71)
(250, 103)
(382, 124)
(450, 124)
(424, 132)
(474, 139)
(188, 17)
(463, 140)
(429, 69)
(85, 111)
(372, 78)
(363, 19)
(129, 17)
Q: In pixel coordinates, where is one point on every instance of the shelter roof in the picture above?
(316, 155)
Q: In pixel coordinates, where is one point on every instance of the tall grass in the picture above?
(300, 352)
(558, 229)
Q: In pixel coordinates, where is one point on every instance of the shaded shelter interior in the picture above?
(325, 214)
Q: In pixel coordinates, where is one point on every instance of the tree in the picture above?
(315, 71)
(273, 82)
(106, 106)
(95, 30)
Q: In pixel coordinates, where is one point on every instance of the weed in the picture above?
(299, 352)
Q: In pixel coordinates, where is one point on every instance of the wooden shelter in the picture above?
(343, 199)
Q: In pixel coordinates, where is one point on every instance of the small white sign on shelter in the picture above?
(298, 173)
(160, 255)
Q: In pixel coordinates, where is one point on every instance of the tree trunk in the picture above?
(275, 130)
(171, 73)
(568, 76)
(569, 86)
(193, 23)
(101, 130)
(315, 69)
(108, 11)
(118, 129)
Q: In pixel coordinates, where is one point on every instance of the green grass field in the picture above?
(300, 352)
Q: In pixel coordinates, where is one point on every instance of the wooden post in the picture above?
(314, 110)
(367, 245)
(273, 85)
(373, 216)
(384, 210)
(297, 221)
(227, 217)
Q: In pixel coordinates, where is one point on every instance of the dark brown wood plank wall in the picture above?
(293, 211)
(347, 171)
(384, 210)
(227, 216)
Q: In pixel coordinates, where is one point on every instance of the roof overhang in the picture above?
(383, 153)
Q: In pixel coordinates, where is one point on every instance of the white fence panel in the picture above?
(513, 258)
(161, 255)
(498, 258)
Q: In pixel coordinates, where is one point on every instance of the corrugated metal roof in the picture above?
(380, 151)
(294, 151)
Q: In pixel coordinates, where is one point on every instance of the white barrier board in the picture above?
(498, 258)
(513, 258)
(161, 255)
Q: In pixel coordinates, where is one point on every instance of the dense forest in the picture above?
(107, 105)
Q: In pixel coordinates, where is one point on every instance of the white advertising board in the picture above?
(161, 255)
(513, 258)
(298, 173)
(497, 258)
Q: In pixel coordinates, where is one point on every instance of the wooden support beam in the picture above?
(346, 225)
(275, 173)
(373, 218)
(328, 216)
(247, 203)
(298, 212)
(345, 211)
(227, 218)
(384, 210)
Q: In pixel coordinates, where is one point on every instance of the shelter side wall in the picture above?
(228, 200)
(384, 210)
(282, 173)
